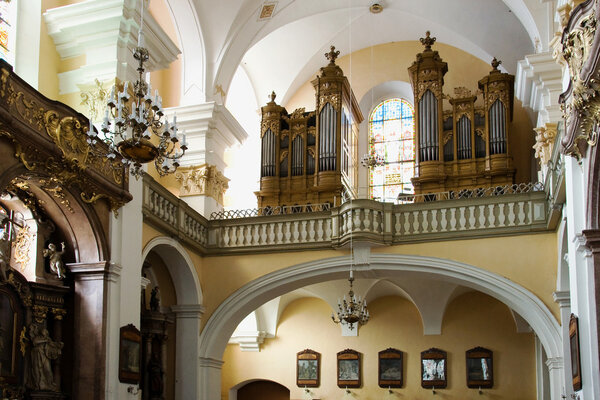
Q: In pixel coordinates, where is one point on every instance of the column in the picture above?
(94, 285)
(210, 378)
(187, 320)
(210, 129)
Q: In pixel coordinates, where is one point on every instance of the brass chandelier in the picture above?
(372, 159)
(134, 128)
(351, 311)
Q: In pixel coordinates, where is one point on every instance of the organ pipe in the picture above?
(428, 127)
(297, 156)
(497, 128)
(268, 154)
(464, 138)
(327, 134)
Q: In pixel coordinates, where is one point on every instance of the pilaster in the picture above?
(187, 368)
(210, 130)
(210, 378)
(105, 31)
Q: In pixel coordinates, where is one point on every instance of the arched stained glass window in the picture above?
(391, 134)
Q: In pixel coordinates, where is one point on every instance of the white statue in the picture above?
(43, 350)
(56, 263)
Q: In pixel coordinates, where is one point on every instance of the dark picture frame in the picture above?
(575, 352)
(434, 368)
(391, 368)
(349, 369)
(308, 368)
(480, 368)
(130, 344)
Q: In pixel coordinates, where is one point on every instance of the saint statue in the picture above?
(56, 263)
(43, 350)
(155, 299)
(155, 372)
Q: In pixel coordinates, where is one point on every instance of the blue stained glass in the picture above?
(391, 133)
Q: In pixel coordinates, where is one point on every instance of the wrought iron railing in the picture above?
(267, 211)
(516, 188)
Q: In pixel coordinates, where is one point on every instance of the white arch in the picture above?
(226, 317)
(188, 312)
(193, 51)
(180, 267)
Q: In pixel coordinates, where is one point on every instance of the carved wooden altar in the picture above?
(61, 193)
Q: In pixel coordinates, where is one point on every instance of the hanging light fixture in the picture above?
(372, 159)
(136, 128)
(353, 310)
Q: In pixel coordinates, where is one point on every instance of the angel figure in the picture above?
(56, 263)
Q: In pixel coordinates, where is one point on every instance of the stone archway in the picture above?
(226, 317)
(188, 312)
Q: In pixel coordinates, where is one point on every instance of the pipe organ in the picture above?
(311, 157)
(466, 147)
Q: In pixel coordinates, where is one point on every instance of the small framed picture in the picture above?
(129, 354)
(434, 369)
(391, 370)
(575, 354)
(308, 368)
(480, 368)
(348, 369)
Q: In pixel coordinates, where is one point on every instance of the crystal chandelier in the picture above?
(352, 310)
(134, 128)
(372, 159)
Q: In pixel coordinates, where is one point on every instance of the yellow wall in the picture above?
(473, 319)
(371, 67)
(529, 260)
(167, 81)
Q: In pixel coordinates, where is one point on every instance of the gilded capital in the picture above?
(544, 142)
(202, 180)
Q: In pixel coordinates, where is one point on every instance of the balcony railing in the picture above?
(509, 213)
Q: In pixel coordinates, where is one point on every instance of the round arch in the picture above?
(223, 321)
(180, 266)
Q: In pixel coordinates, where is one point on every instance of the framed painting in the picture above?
(129, 354)
(480, 368)
(434, 368)
(348, 369)
(308, 368)
(575, 353)
(390, 369)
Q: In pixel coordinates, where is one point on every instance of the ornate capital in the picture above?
(544, 142)
(202, 180)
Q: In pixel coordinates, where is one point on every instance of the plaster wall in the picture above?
(528, 260)
(473, 319)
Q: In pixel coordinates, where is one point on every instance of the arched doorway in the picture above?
(172, 288)
(259, 389)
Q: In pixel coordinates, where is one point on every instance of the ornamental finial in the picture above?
(496, 63)
(272, 96)
(332, 55)
(427, 41)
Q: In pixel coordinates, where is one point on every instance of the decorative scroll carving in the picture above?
(333, 99)
(298, 113)
(462, 92)
(94, 98)
(267, 124)
(580, 106)
(447, 136)
(544, 142)
(283, 155)
(67, 130)
(22, 246)
(434, 86)
(497, 90)
(202, 180)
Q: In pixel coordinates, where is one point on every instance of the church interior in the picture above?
(298, 199)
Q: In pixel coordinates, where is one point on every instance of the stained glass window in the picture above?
(7, 29)
(391, 134)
